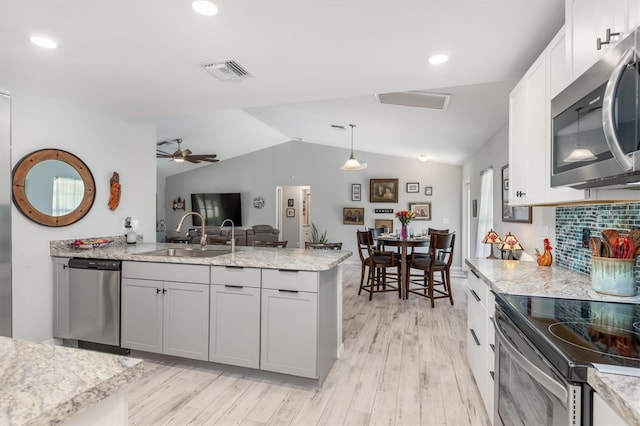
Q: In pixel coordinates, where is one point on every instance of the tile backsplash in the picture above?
(571, 220)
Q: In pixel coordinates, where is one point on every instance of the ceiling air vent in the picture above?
(416, 98)
(227, 70)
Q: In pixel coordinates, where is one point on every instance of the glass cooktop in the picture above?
(576, 334)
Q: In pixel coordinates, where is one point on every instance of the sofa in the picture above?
(244, 236)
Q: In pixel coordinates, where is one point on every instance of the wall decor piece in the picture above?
(383, 190)
(353, 216)
(383, 210)
(290, 202)
(385, 223)
(356, 192)
(474, 208)
(114, 192)
(68, 174)
(422, 210)
(512, 214)
(291, 212)
(413, 187)
(178, 204)
(428, 190)
(258, 202)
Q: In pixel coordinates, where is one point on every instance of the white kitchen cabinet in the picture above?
(299, 322)
(604, 415)
(528, 136)
(61, 297)
(481, 338)
(163, 316)
(588, 20)
(235, 316)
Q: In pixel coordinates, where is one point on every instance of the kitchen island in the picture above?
(272, 309)
(527, 278)
(46, 384)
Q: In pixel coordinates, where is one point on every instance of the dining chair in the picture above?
(439, 259)
(378, 261)
(279, 244)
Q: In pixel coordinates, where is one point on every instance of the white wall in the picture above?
(495, 152)
(298, 163)
(105, 145)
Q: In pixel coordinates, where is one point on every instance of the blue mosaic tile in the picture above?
(570, 220)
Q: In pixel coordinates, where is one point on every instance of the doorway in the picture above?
(293, 214)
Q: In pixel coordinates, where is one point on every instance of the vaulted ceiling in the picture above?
(315, 63)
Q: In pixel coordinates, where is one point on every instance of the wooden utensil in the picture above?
(610, 236)
(595, 244)
(606, 249)
(635, 240)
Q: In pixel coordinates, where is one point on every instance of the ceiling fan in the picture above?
(184, 154)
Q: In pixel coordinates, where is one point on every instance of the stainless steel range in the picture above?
(546, 345)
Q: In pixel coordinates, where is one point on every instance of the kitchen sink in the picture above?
(186, 252)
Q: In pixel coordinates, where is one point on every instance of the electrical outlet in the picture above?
(586, 235)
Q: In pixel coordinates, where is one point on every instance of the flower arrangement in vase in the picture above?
(545, 259)
(404, 216)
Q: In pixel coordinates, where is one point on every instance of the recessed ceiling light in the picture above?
(438, 59)
(44, 42)
(422, 157)
(205, 7)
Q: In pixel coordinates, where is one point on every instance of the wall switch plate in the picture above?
(586, 235)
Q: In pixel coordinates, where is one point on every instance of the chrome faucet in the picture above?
(203, 236)
(233, 233)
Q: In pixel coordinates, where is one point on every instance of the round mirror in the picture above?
(53, 187)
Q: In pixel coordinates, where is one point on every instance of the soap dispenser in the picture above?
(130, 234)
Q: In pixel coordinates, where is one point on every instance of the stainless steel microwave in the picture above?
(595, 123)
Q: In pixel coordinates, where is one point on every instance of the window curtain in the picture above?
(485, 212)
(67, 194)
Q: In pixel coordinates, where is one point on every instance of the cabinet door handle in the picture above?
(473, 334)
(157, 290)
(607, 39)
(233, 286)
(295, 271)
(475, 273)
(164, 290)
(475, 295)
(234, 267)
(492, 292)
(289, 291)
(65, 266)
(492, 374)
(493, 347)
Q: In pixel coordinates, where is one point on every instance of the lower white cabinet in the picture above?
(604, 415)
(481, 338)
(235, 316)
(167, 317)
(61, 297)
(299, 322)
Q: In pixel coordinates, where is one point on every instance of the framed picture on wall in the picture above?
(356, 192)
(384, 223)
(291, 212)
(512, 214)
(383, 190)
(290, 202)
(428, 190)
(413, 187)
(353, 216)
(422, 210)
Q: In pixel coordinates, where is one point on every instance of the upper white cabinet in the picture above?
(528, 136)
(590, 20)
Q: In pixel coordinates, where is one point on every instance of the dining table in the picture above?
(404, 244)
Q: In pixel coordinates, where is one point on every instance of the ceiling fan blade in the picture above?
(201, 156)
(185, 152)
(163, 155)
(192, 160)
(210, 160)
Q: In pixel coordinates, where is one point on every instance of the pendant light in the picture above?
(352, 163)
(579, 154)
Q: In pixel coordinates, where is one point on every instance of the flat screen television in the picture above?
(217, 207)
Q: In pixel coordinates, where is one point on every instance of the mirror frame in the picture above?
(20, 172)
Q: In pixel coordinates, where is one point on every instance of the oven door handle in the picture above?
(608, 103)
(552, 385)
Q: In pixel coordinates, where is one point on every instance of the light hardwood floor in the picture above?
(404, 364)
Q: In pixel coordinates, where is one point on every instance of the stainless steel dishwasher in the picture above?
(94, 301)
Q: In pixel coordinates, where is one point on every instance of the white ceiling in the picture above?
(316, 62)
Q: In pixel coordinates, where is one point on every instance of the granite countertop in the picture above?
(250, 257)
(527, 278)
(46, 384)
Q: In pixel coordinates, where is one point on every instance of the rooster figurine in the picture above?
(545, 259)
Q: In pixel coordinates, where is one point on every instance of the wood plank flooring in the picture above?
(404, 364)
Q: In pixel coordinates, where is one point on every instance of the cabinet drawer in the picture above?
(247, 277)
(478, 286)
(198, 274)
(284, 279)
